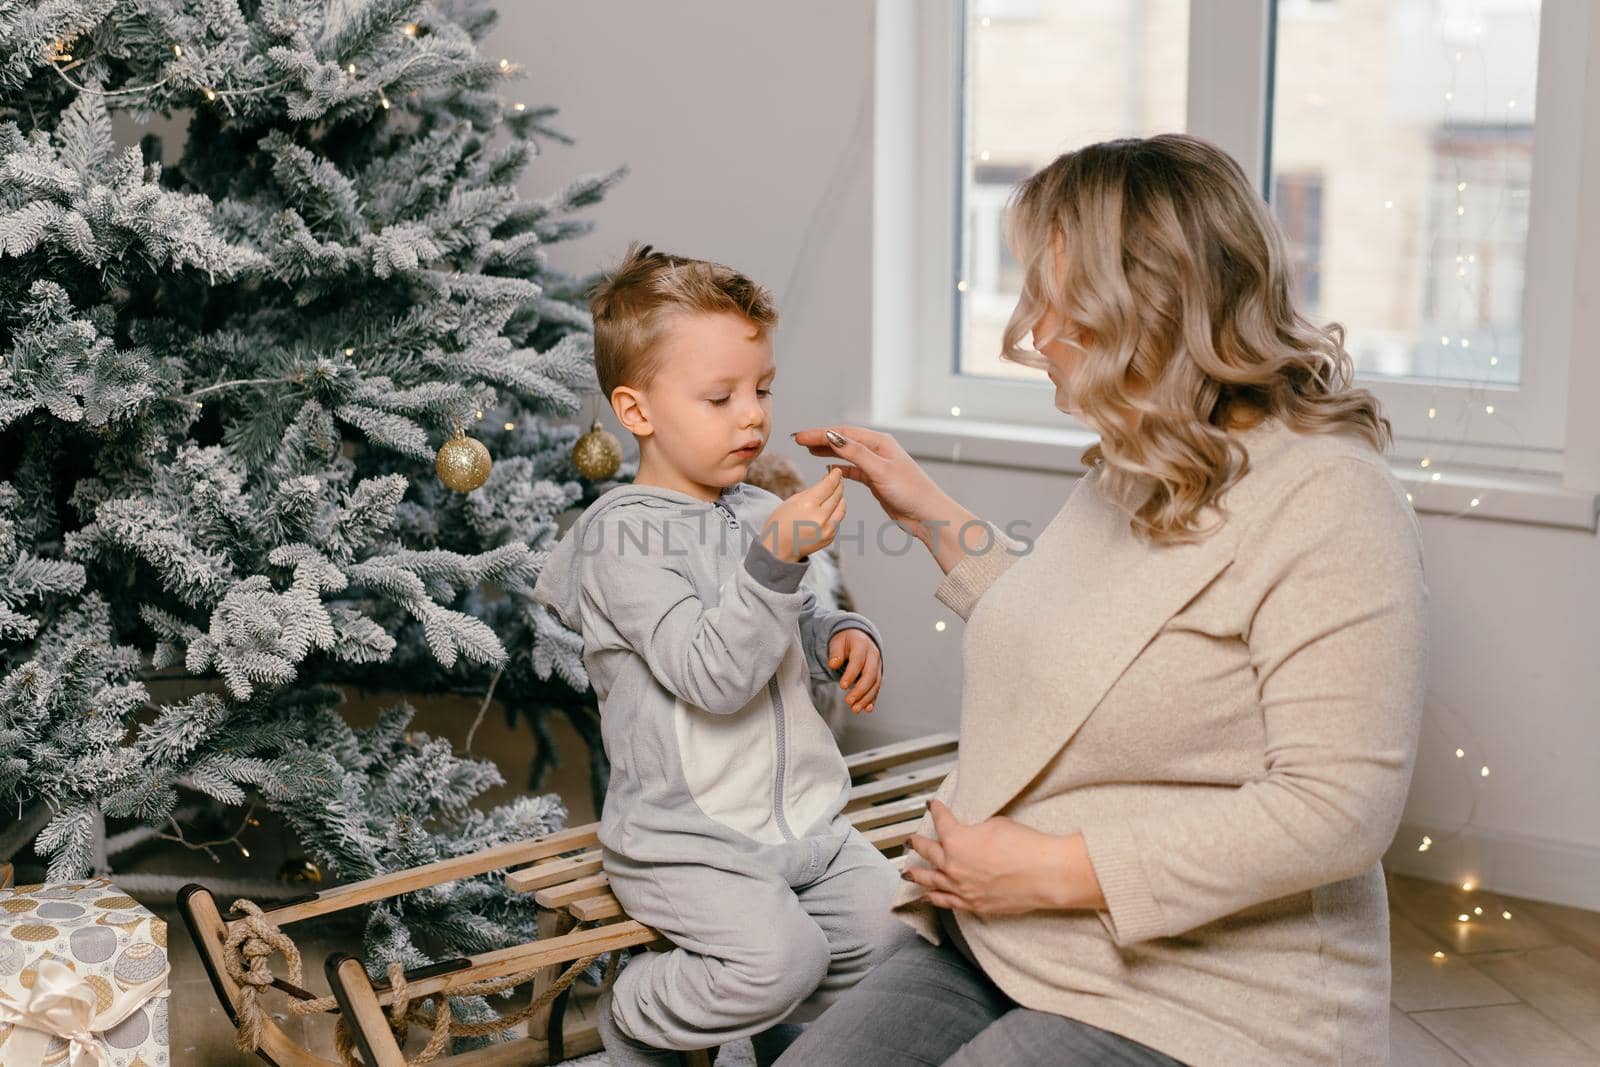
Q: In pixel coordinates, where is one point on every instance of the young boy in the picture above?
(723, 825)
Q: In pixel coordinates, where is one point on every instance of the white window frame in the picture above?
(1546, 471)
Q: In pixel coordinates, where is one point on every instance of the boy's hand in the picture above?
(807, 521)
(863, 667)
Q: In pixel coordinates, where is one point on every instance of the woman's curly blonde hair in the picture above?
(1176, 285)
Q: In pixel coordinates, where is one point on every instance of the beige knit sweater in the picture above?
(1232, 726)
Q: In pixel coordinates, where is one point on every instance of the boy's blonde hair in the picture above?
(630, 305)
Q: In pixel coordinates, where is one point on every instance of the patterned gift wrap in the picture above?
(83, 978)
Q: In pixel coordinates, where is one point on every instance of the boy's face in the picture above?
(707, 413)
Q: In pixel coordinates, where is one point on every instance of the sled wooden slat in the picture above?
(531, 956)
(873, 760)
(566, 869)
(440, 871)
(595, 909)
(916, 781)
(559, 896)
(893, 836)
(864, 819)
(553, 872)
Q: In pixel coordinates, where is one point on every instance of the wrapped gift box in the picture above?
(83, 978)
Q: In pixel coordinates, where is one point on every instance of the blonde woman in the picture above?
(1189, 710)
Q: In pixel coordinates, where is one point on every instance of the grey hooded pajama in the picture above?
(723, 824)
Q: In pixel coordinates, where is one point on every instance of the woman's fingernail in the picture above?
(835, 438)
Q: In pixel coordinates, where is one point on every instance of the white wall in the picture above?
(748, 130)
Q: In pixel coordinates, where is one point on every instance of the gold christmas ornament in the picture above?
(462, 463)
(300, 869)
(598, 453)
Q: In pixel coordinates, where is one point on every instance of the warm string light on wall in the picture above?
(1468, 277)
(1466, 262)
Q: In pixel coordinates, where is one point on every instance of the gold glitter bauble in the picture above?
(300, 869)
(598, 454)
(462, 463)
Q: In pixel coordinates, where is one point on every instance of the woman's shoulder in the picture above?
(1303, 484)
(1282, 458)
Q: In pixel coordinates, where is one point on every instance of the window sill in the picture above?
(1534, 500)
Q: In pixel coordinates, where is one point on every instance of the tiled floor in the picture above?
(1522, 991)
(1517, 992)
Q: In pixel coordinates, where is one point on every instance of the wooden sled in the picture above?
(579, 919)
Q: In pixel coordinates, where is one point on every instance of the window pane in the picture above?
(1044, 77)
(1413, 122)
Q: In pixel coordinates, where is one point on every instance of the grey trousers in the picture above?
(929, 1004)
(777, 941)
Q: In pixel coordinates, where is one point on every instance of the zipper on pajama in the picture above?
(779, 725)
(783, 758)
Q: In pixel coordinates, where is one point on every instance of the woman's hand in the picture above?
(902, 488)
(1000, 867)
(858, 654)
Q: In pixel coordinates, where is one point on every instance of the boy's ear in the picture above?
(628, 405)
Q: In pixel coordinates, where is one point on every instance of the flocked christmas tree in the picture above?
(222, 386)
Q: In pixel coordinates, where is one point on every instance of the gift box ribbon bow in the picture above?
(62, 1005)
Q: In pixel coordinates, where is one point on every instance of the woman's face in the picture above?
(1054, 337)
